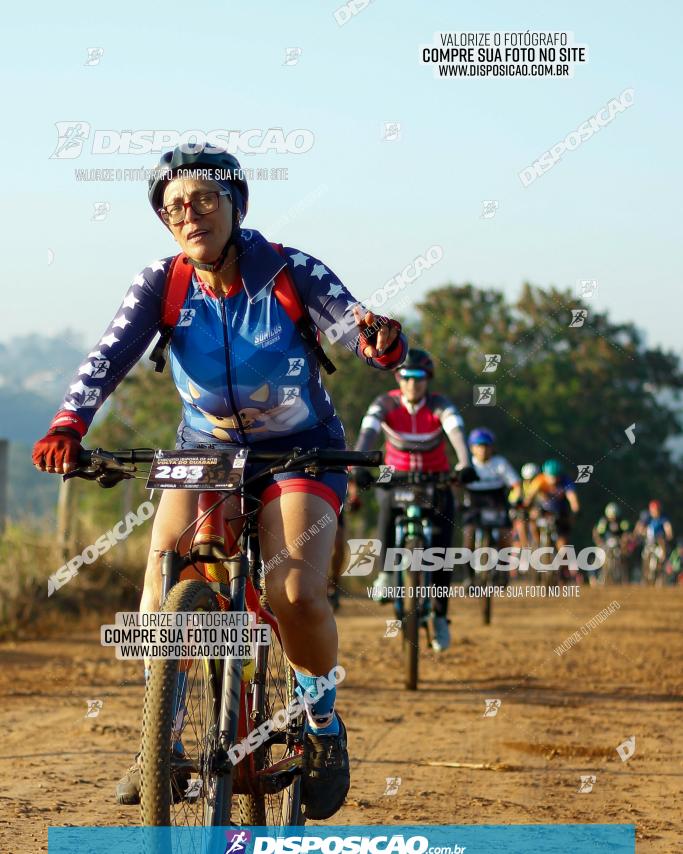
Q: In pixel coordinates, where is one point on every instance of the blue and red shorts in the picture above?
(331, 486)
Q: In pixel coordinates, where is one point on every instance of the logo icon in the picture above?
(587, 783)
(94, 708)
(587, 288)
(70, 139)
(385, 474)
(194, 789)
(491, 362)
(290, 394)
(489, 208)
(363, 555)
(236, 841)
(578, 317)
(186, 316)
(491, 709)
(101, 211)
(584, 474)
(292, 55)
(90, 397)
(392, 785)
(484, 395)
(94, 56)
(393, 628)
(392, 131)
(295, 367)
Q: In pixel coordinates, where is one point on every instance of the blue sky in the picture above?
(609, 211)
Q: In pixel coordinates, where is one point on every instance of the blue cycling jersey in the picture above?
(240, 365)
(654, 527)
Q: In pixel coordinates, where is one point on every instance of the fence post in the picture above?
(66, 521)
(4, 445)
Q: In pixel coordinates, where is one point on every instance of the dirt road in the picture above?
(561, 717)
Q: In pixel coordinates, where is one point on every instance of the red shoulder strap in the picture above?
(177, 284)
(286, 292)
(287, 295)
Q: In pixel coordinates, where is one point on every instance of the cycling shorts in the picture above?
(330, 486)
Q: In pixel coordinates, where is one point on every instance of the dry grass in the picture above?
(30, 553)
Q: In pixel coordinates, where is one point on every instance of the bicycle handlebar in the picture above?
(418, 477)
(110, 467)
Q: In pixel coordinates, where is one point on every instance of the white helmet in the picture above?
(529, 471)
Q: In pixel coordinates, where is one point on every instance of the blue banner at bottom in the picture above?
(366, 839)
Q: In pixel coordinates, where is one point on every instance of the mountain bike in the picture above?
(547, 538)
(208, 704)
(488, 522)
(412, 495)
(653, 560)
(613, 570)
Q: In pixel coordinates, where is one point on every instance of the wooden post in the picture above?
(127, 506)
(4, 445)
(66, 521)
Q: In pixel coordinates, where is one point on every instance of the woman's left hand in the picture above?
(377, 333)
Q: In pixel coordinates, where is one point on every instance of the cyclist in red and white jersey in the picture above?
(415, 423)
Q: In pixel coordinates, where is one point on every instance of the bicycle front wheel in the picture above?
(182, 787)
(411, 623)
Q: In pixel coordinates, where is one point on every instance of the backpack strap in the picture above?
(176, 287)
(288, 296)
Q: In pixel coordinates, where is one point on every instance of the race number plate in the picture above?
(198, 469)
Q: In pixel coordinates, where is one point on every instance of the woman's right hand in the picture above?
(57, 452)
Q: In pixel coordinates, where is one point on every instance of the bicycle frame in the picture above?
(412, 524)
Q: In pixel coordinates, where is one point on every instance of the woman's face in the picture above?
(201, 236)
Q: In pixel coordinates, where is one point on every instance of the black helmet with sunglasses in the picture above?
(418, 364)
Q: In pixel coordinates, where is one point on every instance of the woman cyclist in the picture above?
(246, 376)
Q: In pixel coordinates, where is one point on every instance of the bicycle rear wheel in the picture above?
(191, 715)
(411, 624)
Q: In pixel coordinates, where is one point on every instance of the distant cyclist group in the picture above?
(534, 508)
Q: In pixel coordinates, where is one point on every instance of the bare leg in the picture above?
(297, 587)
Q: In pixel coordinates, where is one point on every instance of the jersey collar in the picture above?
(413, 407)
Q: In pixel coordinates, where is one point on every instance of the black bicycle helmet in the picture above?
(417, 360)
(228, 173)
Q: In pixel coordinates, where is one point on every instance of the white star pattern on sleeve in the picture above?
(95, 355)
(109, 340)
(139, 280)
(300, 259)
(156, 266)
(335, 290)
(77, 388)
(130, 299)
(319, 270)
(120, 322)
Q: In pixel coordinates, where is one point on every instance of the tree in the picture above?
(562, 390)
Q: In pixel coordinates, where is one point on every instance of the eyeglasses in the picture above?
(203, 203)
